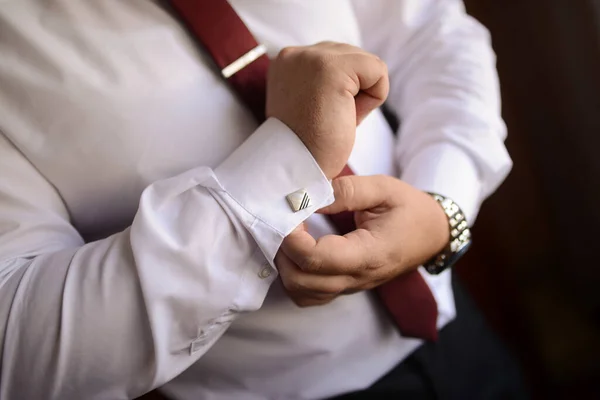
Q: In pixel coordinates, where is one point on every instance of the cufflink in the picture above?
(299, 200)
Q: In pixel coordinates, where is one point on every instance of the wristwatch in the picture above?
(460, 237)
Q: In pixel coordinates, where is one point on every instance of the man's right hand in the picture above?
(322, 92)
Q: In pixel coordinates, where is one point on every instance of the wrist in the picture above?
(330, 158)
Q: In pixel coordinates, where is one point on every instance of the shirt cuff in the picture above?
(256, 178)
(445, 169)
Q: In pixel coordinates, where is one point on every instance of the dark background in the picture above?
(535, 264)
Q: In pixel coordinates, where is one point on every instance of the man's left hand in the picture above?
(398, 228)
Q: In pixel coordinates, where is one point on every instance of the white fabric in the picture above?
(141, 206)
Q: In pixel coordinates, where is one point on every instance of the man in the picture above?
(146, 240)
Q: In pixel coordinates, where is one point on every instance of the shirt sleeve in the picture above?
(444, 88)
(115, 318)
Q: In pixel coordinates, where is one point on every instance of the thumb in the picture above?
(357, 193)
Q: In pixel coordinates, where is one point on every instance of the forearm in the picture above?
(117, 317)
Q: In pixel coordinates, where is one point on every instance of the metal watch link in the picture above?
(460, 237)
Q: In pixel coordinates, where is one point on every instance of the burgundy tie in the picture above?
(226, 38)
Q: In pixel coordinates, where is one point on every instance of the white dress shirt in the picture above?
(141, 206)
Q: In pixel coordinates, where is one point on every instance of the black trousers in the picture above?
(469, 362)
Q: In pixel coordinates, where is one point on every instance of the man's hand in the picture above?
(398, 228)
(322, 92)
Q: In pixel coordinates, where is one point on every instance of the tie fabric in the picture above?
(219, 29)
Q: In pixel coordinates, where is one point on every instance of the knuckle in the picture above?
(326, 43)
(345, 187)
(380, 276)
(286, 52)
(336, 288)
(383, 65)
(305, 302)
(302, 302)
(377, 263)
(312, 264)
(291, 283)
(287, 284)
(295, 286)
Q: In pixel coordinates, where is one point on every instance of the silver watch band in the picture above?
(460, 236)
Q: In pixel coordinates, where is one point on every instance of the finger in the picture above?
(372, 82)
(303, 301)
(358, 193)
(318, 287)
(350, 254)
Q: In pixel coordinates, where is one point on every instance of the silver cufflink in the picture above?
(299, 200)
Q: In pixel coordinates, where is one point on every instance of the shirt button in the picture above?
(265, 273)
